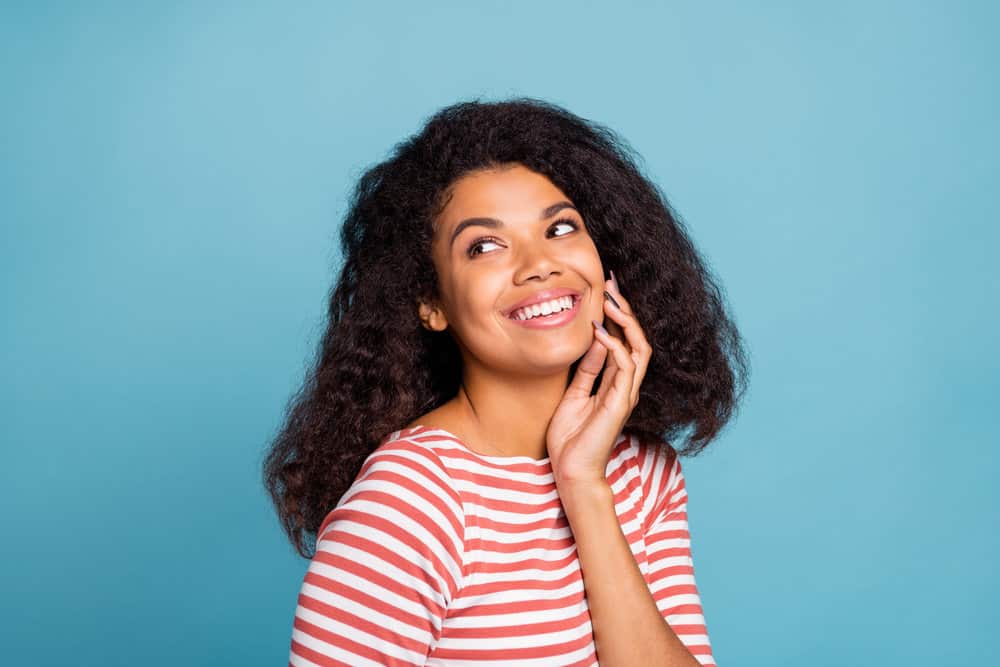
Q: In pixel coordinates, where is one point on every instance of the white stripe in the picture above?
(425, 463)
(331, 651)
(657, 564)
(674, 600)
(679, 522)
(488, 487)
(509, 538)
(296, 660)
(406, 472)
(676, 580)
(515, 619)
(520, 595)
(523, 640)
(350, 605)
(694, 640)
(420, 534)
(529, 574)
(503, 661)
(498, 558)
(657, 472)
(403, 549)
(686, 619)
(658, 544)
(343, 577)
(516, 518)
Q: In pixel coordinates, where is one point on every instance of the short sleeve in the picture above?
(670, 573)
(388, 561)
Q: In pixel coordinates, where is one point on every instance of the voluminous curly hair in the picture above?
(378, 369)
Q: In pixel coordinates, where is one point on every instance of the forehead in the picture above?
(511, 194)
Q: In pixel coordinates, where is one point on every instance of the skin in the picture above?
(512, 370)
(509, 369)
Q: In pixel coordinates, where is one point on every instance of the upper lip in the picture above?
(539, 297)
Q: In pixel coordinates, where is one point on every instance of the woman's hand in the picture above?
(584, 428)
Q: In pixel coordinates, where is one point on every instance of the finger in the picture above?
(639, 345)
(609, 324)
(641, 365)
(615, 391)
(609, 365)
(619, 390)
(614, 329)
(608, 378)
(639, 348)
(633, 334)
(612, 287)
(587, 370)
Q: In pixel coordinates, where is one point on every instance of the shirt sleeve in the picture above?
(388, 561)
(670, 573)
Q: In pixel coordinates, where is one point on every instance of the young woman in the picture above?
(480, 472)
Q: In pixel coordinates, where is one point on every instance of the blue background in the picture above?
(173, 179)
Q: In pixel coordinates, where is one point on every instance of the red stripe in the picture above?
(343, 643)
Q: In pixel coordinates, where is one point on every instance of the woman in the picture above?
(485, 469)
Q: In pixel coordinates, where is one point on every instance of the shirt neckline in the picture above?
(501, 460)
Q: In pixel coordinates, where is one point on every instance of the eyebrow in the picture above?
(493, 223)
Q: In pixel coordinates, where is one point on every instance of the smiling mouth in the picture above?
(552, 315)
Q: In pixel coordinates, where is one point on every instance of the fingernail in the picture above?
(598, 325)
(610, 298)
(615, 281)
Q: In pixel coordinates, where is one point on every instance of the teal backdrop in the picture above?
(173, 180)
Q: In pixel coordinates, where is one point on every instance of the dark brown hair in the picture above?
(378, 369)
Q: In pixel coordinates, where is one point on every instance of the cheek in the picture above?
(589, 266)
(477, 301)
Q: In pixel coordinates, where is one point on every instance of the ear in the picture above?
(432, 317)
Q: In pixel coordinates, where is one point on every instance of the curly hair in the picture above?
(378, 368)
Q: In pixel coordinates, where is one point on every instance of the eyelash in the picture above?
(484, 239)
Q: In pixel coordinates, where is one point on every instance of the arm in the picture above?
(388, 561)
(670, 571)
(631, 626)
(628, 626)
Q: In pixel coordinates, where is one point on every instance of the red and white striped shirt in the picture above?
(437, 555)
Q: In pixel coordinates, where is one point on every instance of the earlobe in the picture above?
(432, 318)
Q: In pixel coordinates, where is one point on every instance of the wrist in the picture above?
(584, 493)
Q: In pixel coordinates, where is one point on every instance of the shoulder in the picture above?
(660, 474)
(650, 458)
(401, 509)
(412, 454)
(654, 456)
(406, 476)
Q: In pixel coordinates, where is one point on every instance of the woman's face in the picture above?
(507, 237)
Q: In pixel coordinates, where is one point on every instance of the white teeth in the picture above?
(547, 308)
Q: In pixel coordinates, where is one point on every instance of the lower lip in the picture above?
(551, 321)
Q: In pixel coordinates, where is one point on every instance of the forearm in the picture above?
(628, 627)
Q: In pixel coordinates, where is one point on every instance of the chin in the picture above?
(562, 358)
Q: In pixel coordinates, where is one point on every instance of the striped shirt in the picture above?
(437, 555)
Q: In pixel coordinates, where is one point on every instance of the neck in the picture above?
(510, 415)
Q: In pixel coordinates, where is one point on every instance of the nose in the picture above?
(535, 263)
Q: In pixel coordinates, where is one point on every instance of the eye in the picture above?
(565, 221)
(478, 243)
